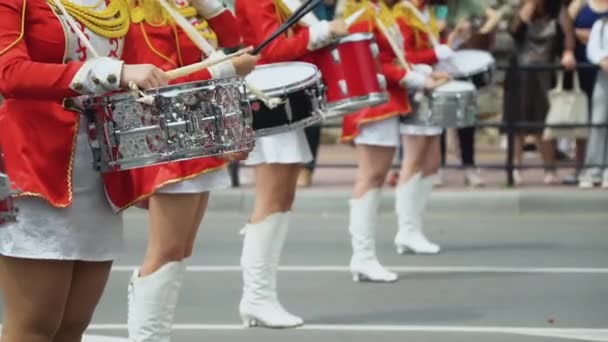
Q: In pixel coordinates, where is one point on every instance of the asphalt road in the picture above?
(499, 278)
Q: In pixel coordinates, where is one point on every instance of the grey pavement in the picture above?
(529, 277)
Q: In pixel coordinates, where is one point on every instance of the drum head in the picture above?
(467, 62)
(283, 78)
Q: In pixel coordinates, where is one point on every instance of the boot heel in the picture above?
(249, 322)
(357, 277)
(401, 249)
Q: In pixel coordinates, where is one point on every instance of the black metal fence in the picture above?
(508, 126)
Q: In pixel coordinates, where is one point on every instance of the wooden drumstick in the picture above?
(400, 55)
(209, 62)
(353, 17)
(270, 102)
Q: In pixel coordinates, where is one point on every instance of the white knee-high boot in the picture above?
(364, 264)
(152, 301)
(411, 202)
(262, 248)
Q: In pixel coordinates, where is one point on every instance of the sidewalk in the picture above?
(332, 188)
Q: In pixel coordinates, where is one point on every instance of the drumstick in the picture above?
(270, 102)
(192, 68)
(353, 17)
(307, 7)
(394, 46)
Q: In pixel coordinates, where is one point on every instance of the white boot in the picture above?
(411, 201)
(152, 302)
(364, 264)
(262, 248)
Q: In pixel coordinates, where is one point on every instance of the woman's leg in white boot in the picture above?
(412, 194)
(263, 244)
(155, 286)
(373, 165)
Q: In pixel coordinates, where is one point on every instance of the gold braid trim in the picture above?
(151, 12)
(109, 22)
(373, 10)
(403, 11)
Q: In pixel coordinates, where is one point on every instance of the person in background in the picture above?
(324, 11)
(543, 34)
(585, 14)
(597, 148)
(481, 21)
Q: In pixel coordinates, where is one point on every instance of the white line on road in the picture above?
(570, 333)
(404, 269)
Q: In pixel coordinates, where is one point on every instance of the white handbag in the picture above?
(567, 107)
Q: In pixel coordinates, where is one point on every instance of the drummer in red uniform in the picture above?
(55, 260)
(277, 161)
(375, 133)
(177, 192)
(422, 157)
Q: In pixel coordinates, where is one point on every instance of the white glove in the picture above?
(221, 70)
(208, 8)
(319, 35)
(424, 69)
(443, 52)
(414, 80)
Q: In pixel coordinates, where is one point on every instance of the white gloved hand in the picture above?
(443, 52)
(424, 69)
(414, 80)
(221, 70)
(319, 35)
(208, 8)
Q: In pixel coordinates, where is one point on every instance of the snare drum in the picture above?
(299, 87)
(351, 72)
(8, 211)
(475, 66)
(453, 104)
(186, 121)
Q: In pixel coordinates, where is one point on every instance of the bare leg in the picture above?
(172, 217)
(275, 189)
(35, 293)
(88, 282)
(374, 163)
(200, 214)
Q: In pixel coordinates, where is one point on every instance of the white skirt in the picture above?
(285, 148)
(88, 230)
(420, 130)
(380, 133)
(209, 181)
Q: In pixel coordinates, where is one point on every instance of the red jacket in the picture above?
(37, 133)
(125, 188)
(259, 19)
(398, 103)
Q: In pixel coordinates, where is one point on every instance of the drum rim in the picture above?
(93, 101)
(355, 37)
(377, 97)
(293, 87)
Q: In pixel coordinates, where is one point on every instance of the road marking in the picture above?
(583, 334)
(404, 269)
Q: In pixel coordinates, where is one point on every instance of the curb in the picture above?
(506, 202)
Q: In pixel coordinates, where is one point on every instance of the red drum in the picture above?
(8, 211)
(351, 72)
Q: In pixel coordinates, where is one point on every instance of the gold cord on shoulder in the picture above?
(109, 22)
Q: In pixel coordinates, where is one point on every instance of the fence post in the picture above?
(510, 122)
